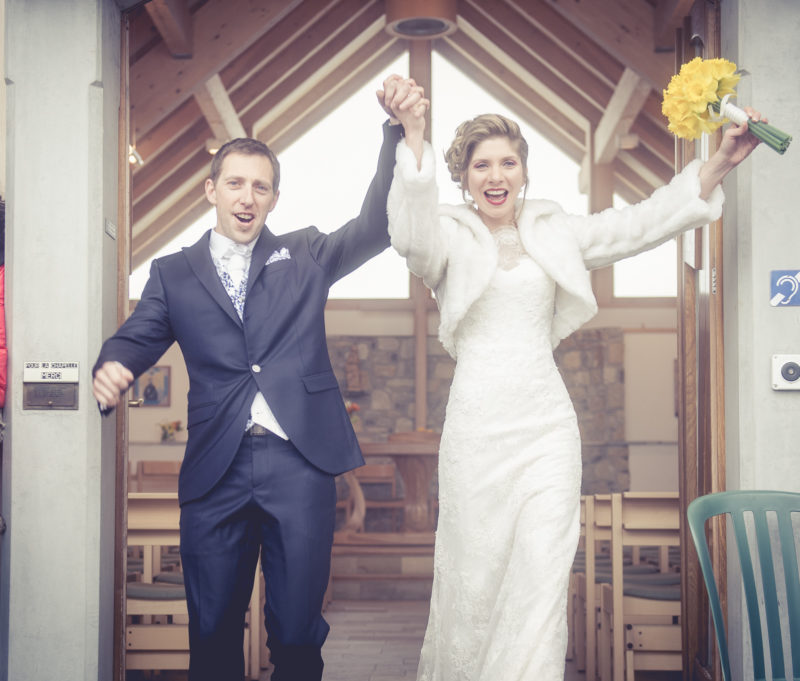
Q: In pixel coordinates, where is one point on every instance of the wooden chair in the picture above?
(640, 617)
(160, 640)
(157, 476)
(380, 473)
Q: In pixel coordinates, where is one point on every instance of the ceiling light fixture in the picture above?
(421, 19)
(134, 157)
(213, 145)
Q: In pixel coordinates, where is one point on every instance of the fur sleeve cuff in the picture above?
(406, 166)
(691, 174)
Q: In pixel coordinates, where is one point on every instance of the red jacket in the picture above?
(3, 347)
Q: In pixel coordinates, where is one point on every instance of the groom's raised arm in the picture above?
(366, 235)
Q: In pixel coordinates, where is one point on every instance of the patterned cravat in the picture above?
(233, 276)
(235, 260)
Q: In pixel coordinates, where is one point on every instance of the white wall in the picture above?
(761, 234)
(58, 497)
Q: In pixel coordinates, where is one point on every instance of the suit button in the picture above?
(257, 368)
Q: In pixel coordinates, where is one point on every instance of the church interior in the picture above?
(644, 374)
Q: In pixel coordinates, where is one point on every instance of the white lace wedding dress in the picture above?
(509, 490)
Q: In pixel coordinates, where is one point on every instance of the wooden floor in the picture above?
(369, 641)
(378, 641)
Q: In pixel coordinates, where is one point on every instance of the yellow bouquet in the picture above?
(696, 101)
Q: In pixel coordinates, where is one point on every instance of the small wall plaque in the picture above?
(50, 385)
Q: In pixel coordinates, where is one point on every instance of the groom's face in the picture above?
(243, 196)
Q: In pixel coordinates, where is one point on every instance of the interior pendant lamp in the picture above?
(421, 19)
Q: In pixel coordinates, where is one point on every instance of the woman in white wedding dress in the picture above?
(511, 280)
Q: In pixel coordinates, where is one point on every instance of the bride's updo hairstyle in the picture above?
(471, 133)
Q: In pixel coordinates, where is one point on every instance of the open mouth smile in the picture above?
(244, 218)
(496, 197)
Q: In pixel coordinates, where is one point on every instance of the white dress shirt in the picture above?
(231, 257)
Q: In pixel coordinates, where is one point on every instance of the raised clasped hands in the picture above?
(405, 103)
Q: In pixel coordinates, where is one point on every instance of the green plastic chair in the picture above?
(756, 504)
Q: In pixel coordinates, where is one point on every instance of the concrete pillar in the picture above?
(762, 428)
(56, 559)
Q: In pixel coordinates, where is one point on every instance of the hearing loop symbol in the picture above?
(783, 298)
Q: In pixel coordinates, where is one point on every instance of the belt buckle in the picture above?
(257, 430)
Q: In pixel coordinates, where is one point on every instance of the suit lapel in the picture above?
(199, 257)
(265, 245)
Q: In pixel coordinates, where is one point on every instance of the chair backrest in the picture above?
(738, 505)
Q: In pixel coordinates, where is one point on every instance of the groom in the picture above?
(268, 429)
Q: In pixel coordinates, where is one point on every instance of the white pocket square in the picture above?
(282, 254)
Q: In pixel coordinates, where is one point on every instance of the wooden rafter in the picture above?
(625, 30)
(668, 17)
(174, 24)
(222, 31)
(507, 44)
(276, 68)
(623, 109)
(290, 70)
(218, 110)
(547, 116)
(335, 87)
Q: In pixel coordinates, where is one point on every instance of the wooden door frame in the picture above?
(701, 378)
(123, 272)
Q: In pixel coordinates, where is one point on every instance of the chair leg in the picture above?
(629, 672)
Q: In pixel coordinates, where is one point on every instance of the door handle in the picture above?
(136, 403)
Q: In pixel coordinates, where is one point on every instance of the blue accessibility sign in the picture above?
(784, 288)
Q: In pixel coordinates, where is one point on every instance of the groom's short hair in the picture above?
(249, 147)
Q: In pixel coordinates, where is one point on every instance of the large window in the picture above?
(325, 173)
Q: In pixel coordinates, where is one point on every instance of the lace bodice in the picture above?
(509, 247)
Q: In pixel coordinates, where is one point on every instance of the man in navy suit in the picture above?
(268, 429)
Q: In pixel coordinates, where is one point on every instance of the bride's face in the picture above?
(495, 177)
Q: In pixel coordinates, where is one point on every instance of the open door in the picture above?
(123, 272)
(700, 373)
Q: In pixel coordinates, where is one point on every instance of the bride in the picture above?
(511, 279)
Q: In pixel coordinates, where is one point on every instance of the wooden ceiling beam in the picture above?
(370, 70)
(563, 63)
(180, 215)
(218, 110)
(509, 37)
(154, 175)
(289, 29)
(322, 95)
(174, 23)
(478, 59)
(222, 31)
(515, 95)
(625, 30)
(342, 31)
(618, 118)
(655, 137)
(668, 18)
(152, 144)
(649, 167)
(628, 184)
(152, 212)
(563, 32)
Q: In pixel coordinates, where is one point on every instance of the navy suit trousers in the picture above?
(271, 500)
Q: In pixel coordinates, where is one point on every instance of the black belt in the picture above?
(256, 431)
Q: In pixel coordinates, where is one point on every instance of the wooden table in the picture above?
(416, 462)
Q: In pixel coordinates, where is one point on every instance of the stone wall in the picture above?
(377, 373)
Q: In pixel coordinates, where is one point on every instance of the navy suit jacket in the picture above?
(279, 348)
